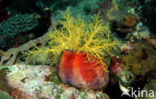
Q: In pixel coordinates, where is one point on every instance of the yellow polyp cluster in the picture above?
(79, 36)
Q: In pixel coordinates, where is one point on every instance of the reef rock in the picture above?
(29, 82)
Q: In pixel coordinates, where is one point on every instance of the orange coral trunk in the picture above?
(74, 69)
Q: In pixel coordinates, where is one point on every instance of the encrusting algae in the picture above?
(80, 47)
(140, 60)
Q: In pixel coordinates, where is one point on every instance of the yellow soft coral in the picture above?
(79, 36)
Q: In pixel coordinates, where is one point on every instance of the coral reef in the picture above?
(17, 24)
(92, 48)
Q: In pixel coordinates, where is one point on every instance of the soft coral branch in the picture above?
(79, 36)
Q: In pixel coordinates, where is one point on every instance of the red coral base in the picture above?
(75, 70)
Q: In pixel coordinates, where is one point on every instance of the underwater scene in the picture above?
(77, 49)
